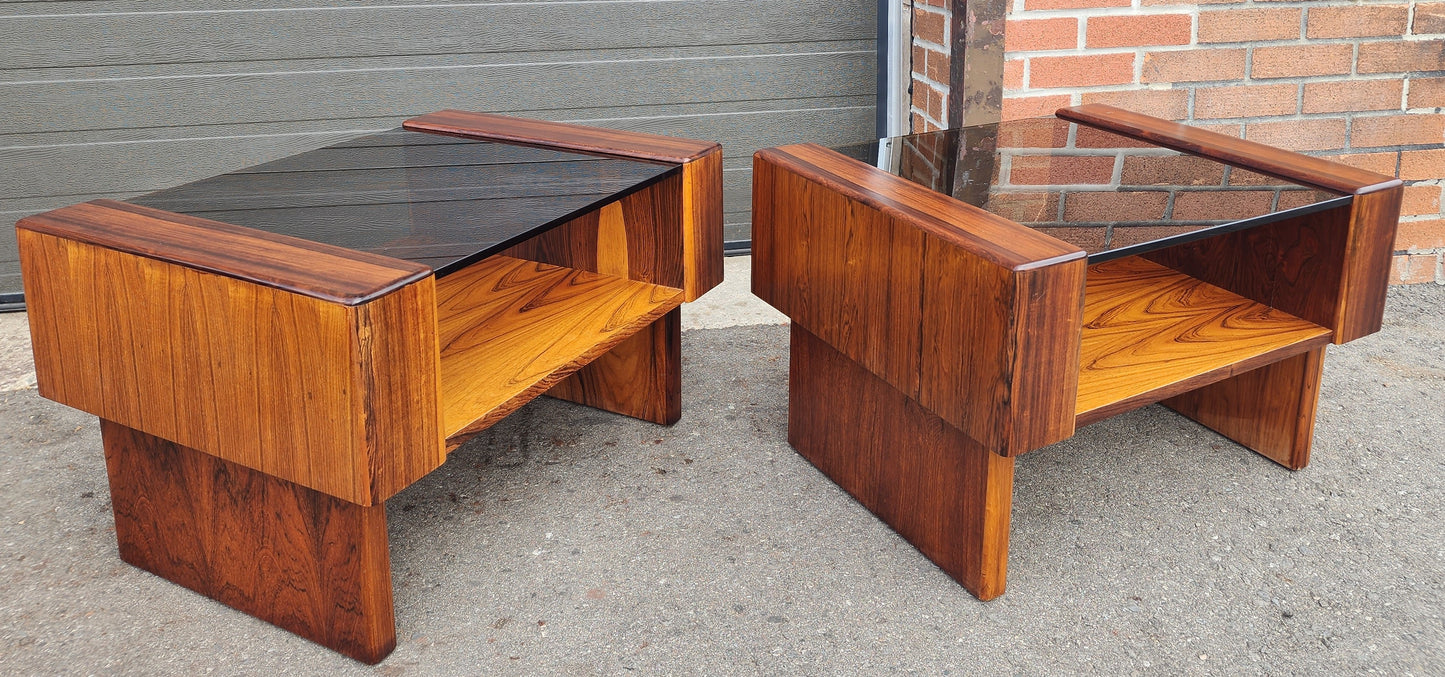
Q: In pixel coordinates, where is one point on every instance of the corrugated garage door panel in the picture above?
(115, 98)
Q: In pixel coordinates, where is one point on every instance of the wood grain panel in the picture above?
(943, 492)
(1295, 265)
(1270, 409)
(650, 238)
(511, 329)
(1370, 252)
(562, 136)
(641, 377)
(310, 563)
(1151, 333)
(335, 398)
(1282, 164)
(674, 230)
(702, 223)
(972, 315)
(299, 266)
(1354, 286)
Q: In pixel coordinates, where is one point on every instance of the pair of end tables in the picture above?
(276, 351)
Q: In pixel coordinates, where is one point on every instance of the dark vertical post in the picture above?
(975, 78)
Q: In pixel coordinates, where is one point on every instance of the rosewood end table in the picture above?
(959, 298)
(275, 352)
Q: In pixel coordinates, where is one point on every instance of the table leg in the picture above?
(307, 562)
(938, 488)
(641, 377)
(1270, 409)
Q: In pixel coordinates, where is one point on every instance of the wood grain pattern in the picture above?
(641, 377)
(899, 285)
(1295, 265)
(702, 223)
(340, 399)
(560, 135)
(650, 242)
(299, 266)
(510, 329)
(1370, 248)
(943, 492)
(1356, 286)
(1270, 409)
(685, 245)
(1282, 164)
(310, 563)
(1151, 333)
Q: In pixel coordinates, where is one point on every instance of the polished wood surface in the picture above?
(510, 329)
(702, 223)
(1252, 155)
(945, 493)
(291, 264)
(640, 377)
(688, 230)
(1270, 409)
(1358, 288)
(639, 237)
(890, 274)
(1150, 333)
(307, 562)
(1294, 265)
(337, 398)
(600, 140)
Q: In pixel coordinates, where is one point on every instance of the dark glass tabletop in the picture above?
(438, 200)
(1110, 195)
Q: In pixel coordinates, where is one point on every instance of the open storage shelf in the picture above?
(1151, 332)
(510, 329)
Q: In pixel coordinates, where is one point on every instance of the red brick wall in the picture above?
(1359, 82)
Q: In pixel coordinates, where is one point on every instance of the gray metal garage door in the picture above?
(111, 98)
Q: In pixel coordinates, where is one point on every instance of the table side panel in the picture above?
(702, 223)
(648, 246)
(1295, 265)
(247, 372)
(990, 348)
(397, 368)
(1270, 410)
(1369, 254)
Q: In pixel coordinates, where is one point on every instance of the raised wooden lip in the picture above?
(580, 138)
(314, 269)
(1254, 156)
(905, 199)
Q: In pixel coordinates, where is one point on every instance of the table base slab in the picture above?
(943, 492)
(312, 564)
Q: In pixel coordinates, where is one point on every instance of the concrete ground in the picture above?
(570, 541)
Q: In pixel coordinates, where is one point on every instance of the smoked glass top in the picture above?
(437, 200)
(1110, 195)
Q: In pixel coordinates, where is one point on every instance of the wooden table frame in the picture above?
(261, 396)
(932, 341)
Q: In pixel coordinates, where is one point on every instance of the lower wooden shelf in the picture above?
(1151, 332)
(510, 329)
